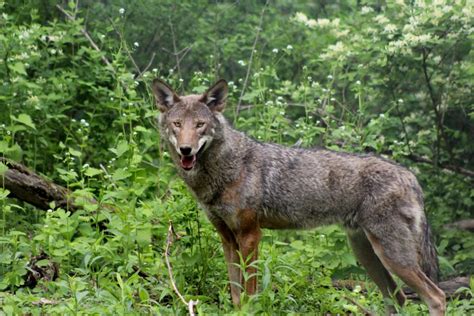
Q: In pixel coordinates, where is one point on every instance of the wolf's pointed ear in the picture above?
(216, 96)
(165, 97)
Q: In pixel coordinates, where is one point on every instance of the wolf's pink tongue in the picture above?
(187, 162)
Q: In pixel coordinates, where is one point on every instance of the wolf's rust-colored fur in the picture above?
(245, 185)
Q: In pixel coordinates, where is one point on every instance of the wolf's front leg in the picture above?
(248, 237)
(248, 245)
(231, 254)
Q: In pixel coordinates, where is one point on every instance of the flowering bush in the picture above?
(392, 79)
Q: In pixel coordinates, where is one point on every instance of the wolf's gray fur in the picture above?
(302, 188)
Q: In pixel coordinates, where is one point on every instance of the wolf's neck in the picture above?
(220, 164)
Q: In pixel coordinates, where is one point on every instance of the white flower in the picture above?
(241, 62)
(311, 23)
(136, 44)
(275, 50)
(381, 19)
(289, 47)
(122, 11)
(301, 17)
(330, 77)
(323, 22)
(24, 35)
(366, 10)
(358, 82)
(154, 70)
(390, 28)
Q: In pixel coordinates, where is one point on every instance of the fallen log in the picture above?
(38, 191)
(465, 224)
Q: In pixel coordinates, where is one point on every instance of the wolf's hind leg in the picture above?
(375, 269)
(399, 254)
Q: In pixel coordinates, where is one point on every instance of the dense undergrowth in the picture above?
(394, 79)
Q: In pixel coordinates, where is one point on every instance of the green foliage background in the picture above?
(390, 77)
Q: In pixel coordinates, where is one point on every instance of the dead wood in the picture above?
(38, 191)
(465, 224)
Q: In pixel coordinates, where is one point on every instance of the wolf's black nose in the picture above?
(185, 150)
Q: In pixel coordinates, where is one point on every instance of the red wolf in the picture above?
(245, 185)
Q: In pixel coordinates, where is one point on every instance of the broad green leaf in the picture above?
(91, 172)
(121, 174)
(19, 68)
(3, 168)
(25, 119)
(74, 152)
(122, 148)
(3, 193)
(3, 146)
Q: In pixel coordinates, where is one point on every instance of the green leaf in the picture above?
(3, 193)
(91, 172)
(25, 119)
(43, 263)
(3, 168)
(74, 152)
(121, 174)
(122, 148)
(19, 68)
(4, 146)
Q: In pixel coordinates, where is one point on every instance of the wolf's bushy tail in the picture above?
(429, 257)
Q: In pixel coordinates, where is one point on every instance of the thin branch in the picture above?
(175, 48)
(454, 168)
(249, 66)
(126, 47)
(130, 56)
(147, 66)
(182, 52)
(89, 38)
(434, 104)
(169, 241)
(364, 310)
(402, 122)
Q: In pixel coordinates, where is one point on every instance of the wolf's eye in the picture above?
(177, 124)
(199, 124)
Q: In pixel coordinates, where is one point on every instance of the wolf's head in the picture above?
(189, 121)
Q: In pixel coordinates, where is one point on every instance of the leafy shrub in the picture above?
(392, 79)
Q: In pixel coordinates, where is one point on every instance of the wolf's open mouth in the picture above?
(188, 162)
